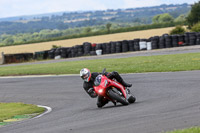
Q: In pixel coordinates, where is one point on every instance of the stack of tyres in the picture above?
(131, 45)
(186, 37)
(104, 48)
(79, 49)
(98, 46)
(64, 52)
(113, 47)
(136, 44)
(58, 52)
(69, 52)
(87, 48)
(73, 52)
(174, 41)
(93, 46)
(108, 48)
(93, 49)
(161, 42)
(118, 47)
(125, 46)
(155, 42)
(51, 53)
(168, 41)
(181, 41)
(192, 38)
(198, 38)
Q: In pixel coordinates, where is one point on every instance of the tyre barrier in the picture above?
(136, 44)
(181, 40)
(88, 49)
(155, 42)
(192, 38)
(118, 47)
(41, 55)
(17, 58)
(198, 39)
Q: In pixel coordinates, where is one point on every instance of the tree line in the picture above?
(95, 28)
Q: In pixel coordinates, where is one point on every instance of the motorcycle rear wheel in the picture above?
(113, 95)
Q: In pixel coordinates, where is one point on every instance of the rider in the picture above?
(88, 84)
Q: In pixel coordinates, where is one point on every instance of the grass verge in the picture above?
(14, 110)
(159, 63)
(189, 130)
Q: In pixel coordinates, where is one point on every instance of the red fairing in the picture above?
(105, 83)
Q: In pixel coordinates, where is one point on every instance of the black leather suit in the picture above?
(88, 86)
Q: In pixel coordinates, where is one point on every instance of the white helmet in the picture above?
(85, 74)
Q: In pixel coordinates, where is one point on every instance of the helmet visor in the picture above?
(84, 77)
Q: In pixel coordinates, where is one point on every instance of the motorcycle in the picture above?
(112, 90)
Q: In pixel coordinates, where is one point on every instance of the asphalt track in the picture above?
(165, 101)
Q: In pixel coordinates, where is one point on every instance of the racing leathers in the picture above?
(88, 86)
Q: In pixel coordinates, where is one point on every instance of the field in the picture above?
(31, 48)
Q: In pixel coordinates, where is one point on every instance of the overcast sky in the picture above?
(10, 8)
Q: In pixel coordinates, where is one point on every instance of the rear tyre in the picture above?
(113, 95)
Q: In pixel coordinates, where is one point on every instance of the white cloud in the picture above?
(28, 7)
(139, 3)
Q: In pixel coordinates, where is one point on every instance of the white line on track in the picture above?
(48, 110)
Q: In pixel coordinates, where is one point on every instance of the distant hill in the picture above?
(65, 20)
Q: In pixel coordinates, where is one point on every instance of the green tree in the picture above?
(156, 19)
(194, 15)
(178, 30)
(9, 41)
(163, 18)
(87, 30)
(108, 26)
(180, 18)
(196, 27)
(166, 18)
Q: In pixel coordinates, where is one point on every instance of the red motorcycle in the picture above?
(112, 90)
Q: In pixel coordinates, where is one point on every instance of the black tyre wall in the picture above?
(125, 46)
(192, 38)
(118, 47)
(113, 47)
(131, 45)
(155, 42)
(136, 44)
(174, 40)
(198, 38)
(168, 41)
(162, 42)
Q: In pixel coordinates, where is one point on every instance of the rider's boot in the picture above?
(120, 80)
(125, 84)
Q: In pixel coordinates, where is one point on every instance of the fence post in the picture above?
(2, 59)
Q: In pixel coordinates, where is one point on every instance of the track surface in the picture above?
(165, 101)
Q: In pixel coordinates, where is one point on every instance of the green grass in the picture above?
(159, 63)
(189, 130)
(10, 110)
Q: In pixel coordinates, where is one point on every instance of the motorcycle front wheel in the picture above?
(115, 96)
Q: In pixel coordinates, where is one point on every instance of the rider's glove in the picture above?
(92, 93)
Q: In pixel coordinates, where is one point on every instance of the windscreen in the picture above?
(97, 81)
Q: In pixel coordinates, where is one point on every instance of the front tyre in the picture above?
(131, 99)
(115, 96)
